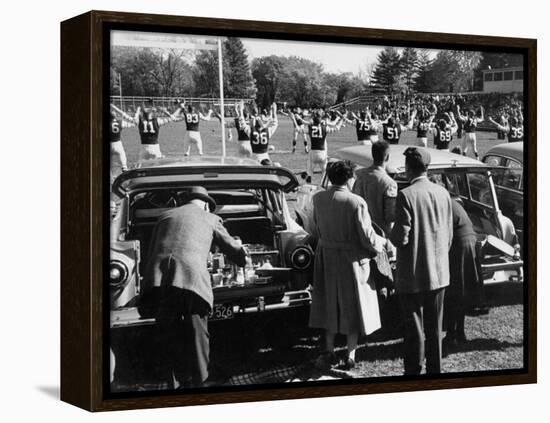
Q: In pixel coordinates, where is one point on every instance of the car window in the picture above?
(454, 182)
(493, 160)
(480, 188)
(511, 177)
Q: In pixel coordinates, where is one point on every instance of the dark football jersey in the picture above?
(116, 129)
(192, 121)
(299, 119)
(318, 136)
(422, 130)
(470, 125)
(149, 130)
(391, 133)
(259, 140)
(242, 127)
(515, 134)
(443, 138)
(362, 127)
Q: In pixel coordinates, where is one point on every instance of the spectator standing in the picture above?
(344, 299)
(463, 274)
(377, 188)
(422, 233)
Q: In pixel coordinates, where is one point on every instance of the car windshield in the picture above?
(467, 184)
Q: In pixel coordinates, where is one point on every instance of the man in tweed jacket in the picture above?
(423, 234)
(176, 286)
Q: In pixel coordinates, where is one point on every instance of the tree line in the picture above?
(295, 80)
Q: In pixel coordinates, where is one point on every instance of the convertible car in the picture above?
(472, 181)
(251, 201)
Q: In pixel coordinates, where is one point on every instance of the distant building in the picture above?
(504, 80)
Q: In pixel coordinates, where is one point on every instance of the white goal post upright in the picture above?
(169, 42)
(222, 108)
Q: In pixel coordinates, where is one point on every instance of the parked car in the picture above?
(471, 180)
(508, 179)
(251, 201)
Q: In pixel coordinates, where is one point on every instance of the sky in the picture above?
(335, 57)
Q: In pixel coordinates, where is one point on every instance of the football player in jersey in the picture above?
(227, 123)
(392, 128)
(363, 126)
(469, 123)
(261, 132)
(297, 117)
(118, 155)
(423, 126)
(149, 124)
(513, 128)
(318, 129)
(192, 117)
(444, 131)
(242, 125)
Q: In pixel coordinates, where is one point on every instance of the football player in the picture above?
(513, 128)
(318, 129)
(423, 125)
(363, 126)
(261, 132)
(242, 125)
(118, 155)
(392, 128)
(297, 117)
(444, 131)
(192, 117)
(470, 122)
(149, 127)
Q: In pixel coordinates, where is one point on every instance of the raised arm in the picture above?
(121, 112)
(498, 125)
(460, 116)
(481, 118)
(409, 125)
(137, 115)
(208, 116)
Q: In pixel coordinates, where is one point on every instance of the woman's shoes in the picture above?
(346, 364)
(325, 360)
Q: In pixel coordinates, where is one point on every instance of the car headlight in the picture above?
(301, 257)
(118, 274)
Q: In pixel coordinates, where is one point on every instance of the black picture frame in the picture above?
(84, 189)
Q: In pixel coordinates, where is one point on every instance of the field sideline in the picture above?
(171, 142)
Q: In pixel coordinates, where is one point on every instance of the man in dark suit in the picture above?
(423, 234)
(176, 288)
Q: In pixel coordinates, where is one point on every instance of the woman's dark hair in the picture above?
(340, 172)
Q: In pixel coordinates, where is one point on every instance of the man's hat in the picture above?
(419, 154)
(198, 192)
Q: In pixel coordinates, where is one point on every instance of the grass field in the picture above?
(495, 340)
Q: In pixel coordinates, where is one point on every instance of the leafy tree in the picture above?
(387, 71)
(409, 66)
(205, 74)
(240, 83)
(453, 71)
(267, 72)
(342, 87)
(423, 78)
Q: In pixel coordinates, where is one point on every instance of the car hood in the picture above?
(206, 174)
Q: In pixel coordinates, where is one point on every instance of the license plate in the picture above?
(221, 312)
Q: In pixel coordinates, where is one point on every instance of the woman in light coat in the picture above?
(344, 299)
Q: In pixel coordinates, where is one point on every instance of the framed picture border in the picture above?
(84, 213)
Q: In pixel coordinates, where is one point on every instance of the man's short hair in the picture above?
(340, 172)
(417, 159)
(379, 151)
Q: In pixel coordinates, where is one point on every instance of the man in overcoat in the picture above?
(344, 299)
(423, 234)
(176, 287)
